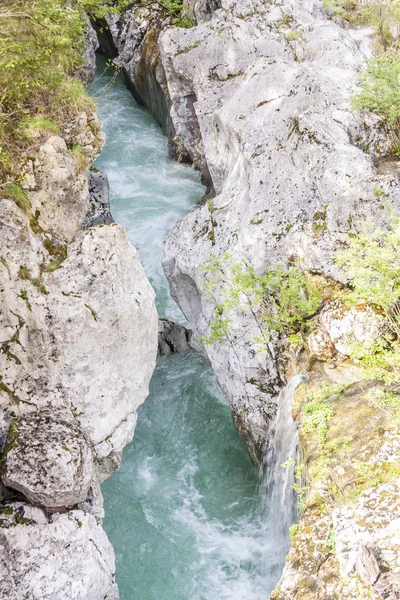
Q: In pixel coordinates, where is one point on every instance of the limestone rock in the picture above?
(57, 177)
(348, 326)
(268, 118)
(48, 458)
(99, 189)
(172, 337)
(68, 557)
(367, 564)
(82, 337)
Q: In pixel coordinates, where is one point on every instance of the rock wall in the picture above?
(261, 95)
(78, 341)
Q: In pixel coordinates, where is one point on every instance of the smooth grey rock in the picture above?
(172, 337)
(99, 189)
(89, 57)
(68, 558)
(48, 458)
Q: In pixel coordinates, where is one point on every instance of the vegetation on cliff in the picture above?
(42, 44)
(281, 300)
(379, 84)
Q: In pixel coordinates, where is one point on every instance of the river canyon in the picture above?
(186, 512)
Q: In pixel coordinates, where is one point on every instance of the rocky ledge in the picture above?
(78, 341)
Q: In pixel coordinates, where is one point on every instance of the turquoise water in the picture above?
(183, 512)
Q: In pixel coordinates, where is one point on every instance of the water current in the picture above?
(185, 512)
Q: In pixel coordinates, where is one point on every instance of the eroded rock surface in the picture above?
(66, 556)
(78, 344)
(172, 337)
(260, 99)
(99, 211)
(48, 458)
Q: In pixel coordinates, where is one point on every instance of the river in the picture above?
(184, 511)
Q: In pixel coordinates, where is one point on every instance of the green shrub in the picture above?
(347, 10)
(41, 50)
(281, 300)
(178, 10)
(38, 126)
(380, 89)
(318, 409)
(371, 262)
(16, 193)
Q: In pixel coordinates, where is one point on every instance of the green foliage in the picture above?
(178, 10)
(291, 35)
(383, 16)
(25, 274)
(346, 10)
(318, 410)
(301, 490)
(39, 126)
(41, 50)
(378, 191)
(293, 530)
(16, 193)
(380, 90)
(380, 359)
(371, 262)
(331, 541)
(53, 265)
(387, 400)
(282, 300)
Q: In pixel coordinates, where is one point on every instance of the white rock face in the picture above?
(68, 558)
(85, 336)
(49, 459)
(78, 344)
(345, 327)
(373, 521)
(260, 98)
(57, 176)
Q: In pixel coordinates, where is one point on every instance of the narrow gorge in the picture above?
(246, 154)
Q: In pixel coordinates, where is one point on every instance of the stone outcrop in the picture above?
(346, 544)
(78, 344)
(64, 556)
(260, 98)
(48, 458)
(172, 337)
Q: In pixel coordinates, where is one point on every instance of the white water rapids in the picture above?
(185, 512)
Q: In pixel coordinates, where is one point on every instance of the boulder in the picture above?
(48, 458)
(172, 337)
(67, 557)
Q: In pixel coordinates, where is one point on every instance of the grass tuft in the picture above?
(15, 193)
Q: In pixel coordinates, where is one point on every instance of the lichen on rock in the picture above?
(48, 458)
